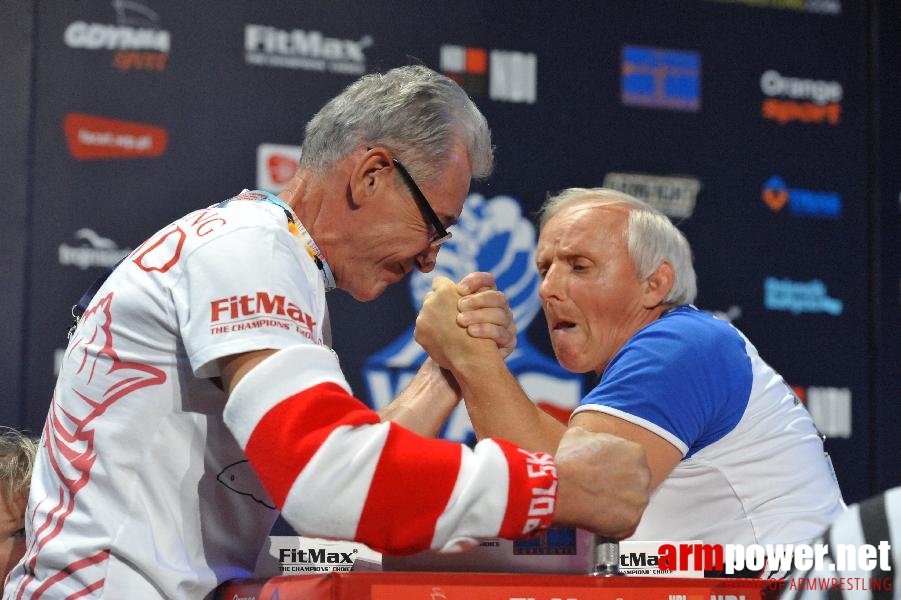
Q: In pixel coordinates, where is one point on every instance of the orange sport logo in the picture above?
(798, 99)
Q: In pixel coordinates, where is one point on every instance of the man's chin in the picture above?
(369, 294)
(377, 288)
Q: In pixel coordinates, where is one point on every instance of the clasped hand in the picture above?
(461, 321)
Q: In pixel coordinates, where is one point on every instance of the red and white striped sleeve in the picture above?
(335, 470)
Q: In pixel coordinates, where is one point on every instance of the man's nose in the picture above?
(425, 260)
(550, 286)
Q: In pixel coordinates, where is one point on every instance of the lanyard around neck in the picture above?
(297, 228)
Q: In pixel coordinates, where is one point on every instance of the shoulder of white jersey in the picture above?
(256, 208)
(246, 211)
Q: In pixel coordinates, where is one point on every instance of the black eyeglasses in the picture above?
(441, 234)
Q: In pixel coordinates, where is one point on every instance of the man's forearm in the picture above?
(426, 403)
(334, 469)
(498, 407)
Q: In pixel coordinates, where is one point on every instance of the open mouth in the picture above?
(563, 325)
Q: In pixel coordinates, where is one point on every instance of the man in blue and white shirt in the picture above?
(734, 457)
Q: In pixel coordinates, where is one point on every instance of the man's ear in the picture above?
(371, 174)
(658, 285)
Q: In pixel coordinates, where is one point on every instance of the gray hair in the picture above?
(651, 236)
(17, 452)
(417, 113)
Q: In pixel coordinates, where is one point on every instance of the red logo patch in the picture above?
(94, 138)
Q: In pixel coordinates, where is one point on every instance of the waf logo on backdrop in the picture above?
(276, 164)
(800, 202)
(491, 236)
(661, 78)
(506, 75)
(136, 40)
(95, 138)
(799, 99)
(305, 50)
(675, 196)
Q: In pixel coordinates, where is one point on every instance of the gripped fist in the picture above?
(458, 319)
(437, 330)
(485, 311)
(603, 483)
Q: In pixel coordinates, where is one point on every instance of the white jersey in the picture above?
(142, 489)
(753, 469)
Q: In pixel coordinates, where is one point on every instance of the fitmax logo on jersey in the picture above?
(136, 39)
(801, 203)
(261, 309)
(266, 46)
(800, 99)
(508, 75)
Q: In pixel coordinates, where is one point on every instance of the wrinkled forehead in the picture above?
(585, 218)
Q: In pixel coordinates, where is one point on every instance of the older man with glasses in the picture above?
(200, 396)
(441, 234)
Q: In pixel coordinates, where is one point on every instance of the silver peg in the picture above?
(606, 560)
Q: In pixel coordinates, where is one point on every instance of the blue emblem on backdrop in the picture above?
(493, 236)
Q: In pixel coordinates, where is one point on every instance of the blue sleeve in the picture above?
(686, 377)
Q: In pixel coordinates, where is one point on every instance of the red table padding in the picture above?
(481, 586)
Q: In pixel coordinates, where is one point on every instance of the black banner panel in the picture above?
(886, 260)
(16, 25)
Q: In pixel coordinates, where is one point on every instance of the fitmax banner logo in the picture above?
(306, 50)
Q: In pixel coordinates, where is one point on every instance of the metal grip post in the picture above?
(606, 558)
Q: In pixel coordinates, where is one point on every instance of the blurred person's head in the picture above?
(17, 453)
